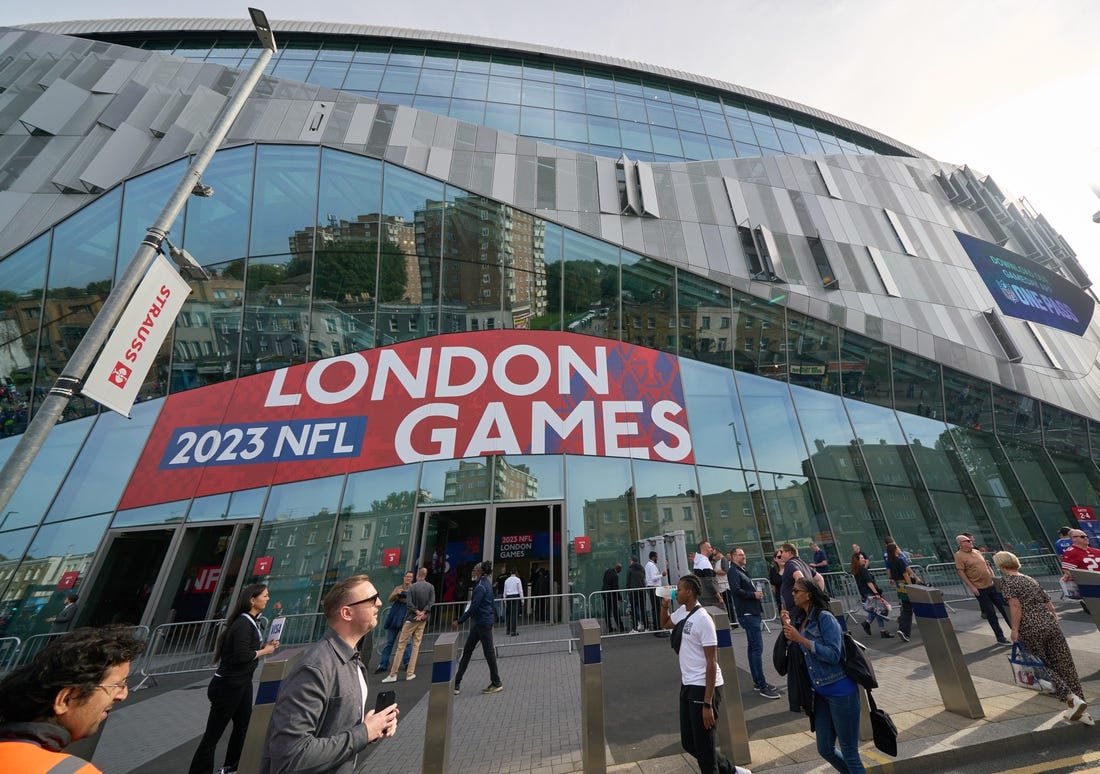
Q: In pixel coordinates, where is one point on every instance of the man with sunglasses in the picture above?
(63, 695)
(976, 575)
(1079, 556)
(320, 722)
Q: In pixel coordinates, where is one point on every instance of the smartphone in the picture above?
(384, 700)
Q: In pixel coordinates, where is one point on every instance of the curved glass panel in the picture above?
(284, 201)
(917, 388)
(216, 228)
(29, 503)
(22, 284)
(1081, 477)
(911, 519)
(812, 348)
(276, 309)
(1064, 431)
(773, 431)
(375, 514)
(706, 308)
(794, 511)
(553, 245)
(734, 513)
(881, 441)
(969, 401)
(80, 278)
(590, 286)
(598, 507)
(718, 434)
(456, 481)
(206, 339)
(828, 431)
(530, 477)
(1016, 416)
(649, 303)
(33, 595)
(165, 513)
(296, 532)
(865, 369)
(143, 199)
(855, 513)
(670, 493)
(345, 278)
(105, 463)
(12, 546)
(760, 337)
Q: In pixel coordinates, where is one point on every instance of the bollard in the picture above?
(594, 740)
(733, 734)
(1089, 584)
(944, 654)
(437, 731)
(275, 668)
(836, 607)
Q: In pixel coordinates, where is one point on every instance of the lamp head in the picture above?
(263, 29)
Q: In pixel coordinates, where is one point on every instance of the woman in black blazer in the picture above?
(238, 652)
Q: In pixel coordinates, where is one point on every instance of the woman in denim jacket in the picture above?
(836, 696)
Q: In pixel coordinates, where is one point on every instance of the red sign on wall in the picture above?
(445, 397)
(581, 545)
(1083, 513)
(391, 557)
(68, 580)
(262, 565)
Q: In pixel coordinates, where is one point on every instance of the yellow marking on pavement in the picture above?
(1038, 768)
(884, 764)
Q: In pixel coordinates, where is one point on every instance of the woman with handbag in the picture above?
(1035, 624)
(873, 602)
(836, 696)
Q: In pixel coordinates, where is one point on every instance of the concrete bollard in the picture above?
(593, 736)
(437, 728)
(944, 654)
(275, 668)
(733, 733)
(1089, 584)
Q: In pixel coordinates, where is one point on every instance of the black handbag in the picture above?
(883, 729)
(856, 665)
(779, 655)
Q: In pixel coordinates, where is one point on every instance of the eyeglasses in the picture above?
(1079, 536)
(368, 601)
(118, 688)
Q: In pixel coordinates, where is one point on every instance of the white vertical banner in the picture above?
(117, 376)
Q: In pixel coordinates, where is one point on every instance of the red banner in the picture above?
(262, 566)
(391, 557)
(581, 545)
(446, 397)
(68, 580)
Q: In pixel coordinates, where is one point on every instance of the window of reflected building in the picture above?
(46, 472)
(773, 430)
(284, 201)
(934, 451)
(864, 369)
(22, 284)
(812, 348)
(969, 400)
(881, 441)
(734, 514)
(963, 512)
(1064, 431)
(598, 506)
(590, 287)
(276, 313)
(143, 198)
(718, 433)
(528, 477)
(297, 531)
(666, 498)
(550, 251)
(106, 460)
(760, 337)
(375, 514)
(1080, 476)
(456, 481)
(79, 282)
(162, 513)
(828, 431)
(1041, 482)
(215, 228)
(707, 309)
(917, 385)
(36, 592)
(912, 521)
(649, 317)
(206, 339)
(855, 513)
(1016, 416)
(792, 504)
(12, 545)
(349, 236)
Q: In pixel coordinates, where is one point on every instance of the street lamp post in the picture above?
(67, 384)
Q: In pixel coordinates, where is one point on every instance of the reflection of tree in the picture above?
(348, 267)
(585, 283)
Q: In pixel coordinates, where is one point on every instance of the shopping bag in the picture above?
(1028, 671)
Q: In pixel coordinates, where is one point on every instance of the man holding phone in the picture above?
(320, 722)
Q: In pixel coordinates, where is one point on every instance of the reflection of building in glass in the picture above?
(462, 185)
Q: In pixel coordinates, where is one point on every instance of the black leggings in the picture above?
(230, 700)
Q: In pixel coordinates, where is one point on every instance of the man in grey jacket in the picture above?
(320, 723)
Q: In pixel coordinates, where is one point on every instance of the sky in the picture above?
(1008, 87)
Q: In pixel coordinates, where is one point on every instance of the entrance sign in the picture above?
(68, 580)
(446, 397)
(132, 349)
(262, 566)
(391, 557)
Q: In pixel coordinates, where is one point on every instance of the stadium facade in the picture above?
(473, 298)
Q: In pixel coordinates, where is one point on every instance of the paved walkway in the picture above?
(533, 726)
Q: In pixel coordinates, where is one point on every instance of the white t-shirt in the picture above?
(513, 586)
(699, 631)
(701, 562)
(652, 574)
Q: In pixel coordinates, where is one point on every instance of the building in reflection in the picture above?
(807, 327)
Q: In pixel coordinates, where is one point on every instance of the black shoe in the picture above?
(1003, 641)
(866, 626)
(903, 635)
(381, 669)
(886, 635)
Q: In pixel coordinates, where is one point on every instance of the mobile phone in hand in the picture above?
(384, 700)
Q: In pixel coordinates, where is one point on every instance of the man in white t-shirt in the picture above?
(700, 677)
(654, 577)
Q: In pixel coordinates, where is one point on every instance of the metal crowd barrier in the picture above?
(1046, 569)
(9, 649)
(176, 648)
(303, 628)
(16, 653)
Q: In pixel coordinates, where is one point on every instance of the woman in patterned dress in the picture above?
(1035, 624)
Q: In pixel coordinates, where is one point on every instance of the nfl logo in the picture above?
(119, 374)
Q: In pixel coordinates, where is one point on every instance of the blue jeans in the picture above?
(837, 717)
(872, 616)
(387, 652)
(991, 602)
(750, 622)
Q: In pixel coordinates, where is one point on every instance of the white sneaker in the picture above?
(408, 677)
(1077, 707)
(741, 770)
(1086, 718)
(390, 679)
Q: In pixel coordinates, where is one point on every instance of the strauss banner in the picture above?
(446, 397)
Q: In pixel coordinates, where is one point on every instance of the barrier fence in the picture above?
(16, 653)
(9, 649)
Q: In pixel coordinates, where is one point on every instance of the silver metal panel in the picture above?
(607, 186)
(566, 184)
(86, 115)
(122, 105)
(168, 113)
(295, 121)
(445, 131)
(416, 157)
(64, 65)
(361, 120)
(57, 105)
(504, 178)
(91, 68)
(116, 158)
(424, 127)
(647, 188)
(611, 228)
(117, 74)
(439, 162)
(67, 177)
(172, 146)
(403, 123)
(200, 110)
(336, 128)
(267, 128)
(316, 121)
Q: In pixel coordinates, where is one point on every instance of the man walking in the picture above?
(750, 612)
(420, 599)
(976, 576)
(635, 589)
(513, 599)
(320, 722)
(483, 611)
(700, 677)
(61, 696)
